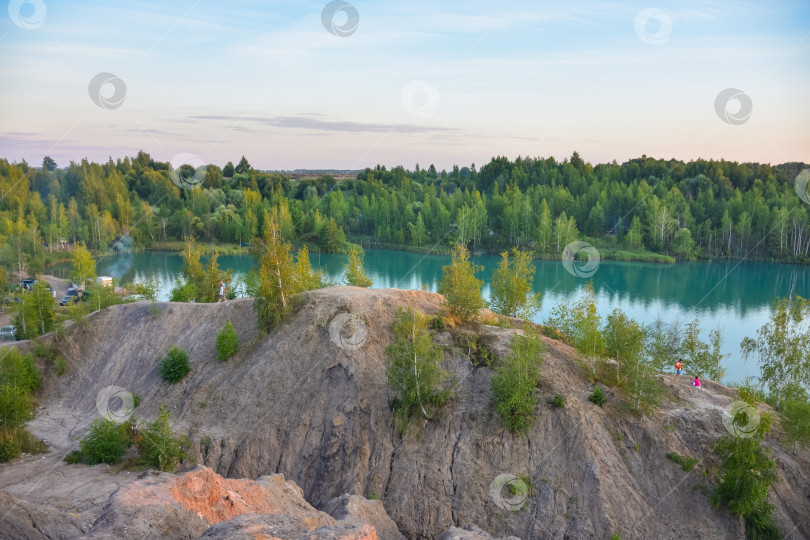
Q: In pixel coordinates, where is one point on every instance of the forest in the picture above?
(644, 209)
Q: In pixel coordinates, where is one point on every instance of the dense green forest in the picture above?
(643, 209)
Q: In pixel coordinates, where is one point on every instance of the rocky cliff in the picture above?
(309, 401)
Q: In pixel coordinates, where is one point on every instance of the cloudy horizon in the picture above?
(317, 85)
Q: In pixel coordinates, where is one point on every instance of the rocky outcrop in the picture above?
(470, 533)
(22, 519)
(361, 510)
(201, 503)
(310, 401)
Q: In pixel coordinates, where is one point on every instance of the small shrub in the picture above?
(175, 365)
(206, 441)
(669, 429)
(559, 401)
(760, 525)
(686, 463)
(74, 458)
(136, 400)
(18, 370)
(43, 351)
(621, 436)
(638, 447)
(9, 448)
(106, 442)
(227, 342)
(61, 365)
(159, 446)
(515, 383)
(30, 444)
(616, 536)
(598, 397)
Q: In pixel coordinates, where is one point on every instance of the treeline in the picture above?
(714, 209)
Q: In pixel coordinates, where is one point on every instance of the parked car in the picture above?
(72, 292)
(27, 283)
(68, 299)
(7, 333)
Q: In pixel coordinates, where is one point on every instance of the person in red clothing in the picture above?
(678, 367)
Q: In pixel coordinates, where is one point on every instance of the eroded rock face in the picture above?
(22, 519)
(201, 503)
(470, 533)
(361, 510)
(310, 401)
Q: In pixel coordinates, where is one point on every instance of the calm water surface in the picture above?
(734, 296)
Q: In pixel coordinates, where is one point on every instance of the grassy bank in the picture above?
(207, 249)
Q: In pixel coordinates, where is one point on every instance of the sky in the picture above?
(339, 85)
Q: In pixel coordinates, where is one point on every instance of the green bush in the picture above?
(559, 401)
(413, 369)
(515, 383)
(18, 379)
(183, 292)
(761, 526)
(160, 448)
(747, 472)
(227, 342)
(598, 396)
(18, 370)
(175, 365)
(795, 421)
(106, 442)
(74, 457)
(686, 463)
(15, 407)
(9, 447)
(61, 365)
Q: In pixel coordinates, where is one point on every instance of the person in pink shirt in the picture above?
(697, 382)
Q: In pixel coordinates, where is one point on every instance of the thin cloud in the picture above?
(314, 124)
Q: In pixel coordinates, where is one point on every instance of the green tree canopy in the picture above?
(459, 286)
(512, 286)
(783, 346)
(355, 272)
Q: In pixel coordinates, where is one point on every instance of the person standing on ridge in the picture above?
(678, 367)
(221, 291)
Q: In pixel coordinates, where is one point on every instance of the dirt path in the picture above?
(57, 284)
